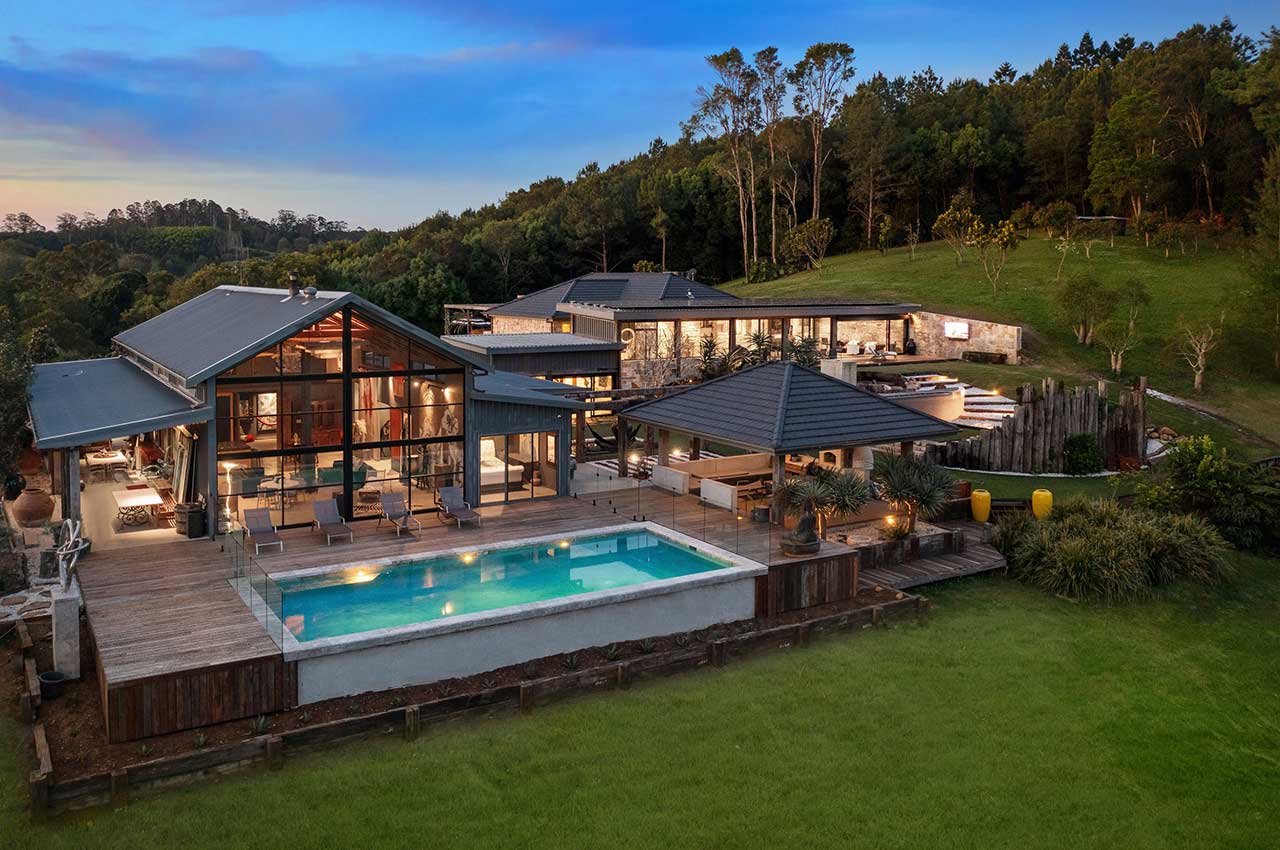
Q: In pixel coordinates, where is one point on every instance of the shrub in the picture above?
(1242, 502)
(1081, 455)
(763, 271)
(913, 487)
(1097, 550)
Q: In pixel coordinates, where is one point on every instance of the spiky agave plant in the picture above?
(913, 487)
(825, 496)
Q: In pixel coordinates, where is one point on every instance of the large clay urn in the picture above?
(33, 507)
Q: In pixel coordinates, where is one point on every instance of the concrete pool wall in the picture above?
(464, 645)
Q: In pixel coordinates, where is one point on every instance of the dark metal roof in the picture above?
(216, 330)
(741, 308)
(599, 288)
(521, 389)
(784, 407)
(83, 401)
(530, 343)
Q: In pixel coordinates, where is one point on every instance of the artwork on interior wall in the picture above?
(955, 330)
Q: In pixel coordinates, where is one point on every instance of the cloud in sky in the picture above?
(444, 104)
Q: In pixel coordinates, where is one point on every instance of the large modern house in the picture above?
(656, 324)
(274, 398)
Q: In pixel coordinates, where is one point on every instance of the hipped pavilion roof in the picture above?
(785, 408)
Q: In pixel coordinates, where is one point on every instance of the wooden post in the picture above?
(779, 482)
(622, 447)
(580, 436)
(907, 448)
(831, 339)
(695, 448)
(1140, 418)
(664, 446)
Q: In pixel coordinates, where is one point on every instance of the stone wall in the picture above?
(928, 330)
(520, 325)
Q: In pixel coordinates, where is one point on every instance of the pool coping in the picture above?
(739, 568)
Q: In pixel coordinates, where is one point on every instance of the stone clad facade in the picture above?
(929, 332)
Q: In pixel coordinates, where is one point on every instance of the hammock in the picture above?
(612, 442)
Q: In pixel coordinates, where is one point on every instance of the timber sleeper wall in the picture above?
(149, 777)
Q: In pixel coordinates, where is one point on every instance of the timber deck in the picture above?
(177, 647)
(972, 561)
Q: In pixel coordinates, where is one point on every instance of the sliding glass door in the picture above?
(517, 466)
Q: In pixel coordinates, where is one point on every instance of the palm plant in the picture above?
(912, 487)
(825, 496)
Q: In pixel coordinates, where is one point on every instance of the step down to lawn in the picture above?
(973, 560)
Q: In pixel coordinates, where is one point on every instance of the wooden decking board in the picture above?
(979, 558)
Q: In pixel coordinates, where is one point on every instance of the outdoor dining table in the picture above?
(105, 461)
(135, 505)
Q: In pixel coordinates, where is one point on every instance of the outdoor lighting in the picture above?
(361, 577)
(634, 458)
(564, 544)
(447, 609)
(468, 558)
(891, 520)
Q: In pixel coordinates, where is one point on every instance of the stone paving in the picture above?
(29, 603)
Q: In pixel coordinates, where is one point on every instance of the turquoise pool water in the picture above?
(360, 600)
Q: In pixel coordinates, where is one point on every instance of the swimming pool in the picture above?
(362, 627)
(363, 599)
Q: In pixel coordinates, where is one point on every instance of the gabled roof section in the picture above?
(530, 343)
(785, 407)
(610, 289)
(83, 401)
(214, 331)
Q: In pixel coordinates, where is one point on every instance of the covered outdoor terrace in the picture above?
(785, 421)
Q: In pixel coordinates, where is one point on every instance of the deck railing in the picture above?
(637, 499)
(259, 591)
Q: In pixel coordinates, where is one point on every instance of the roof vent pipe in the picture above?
(309, 294)
(293, 284)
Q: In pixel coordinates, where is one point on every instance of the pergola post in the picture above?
(779, 508)
(71, 484)
(695, 448)
(580, 436)
(907, 448)
(832, 345)
(622, 447)
(664, 446)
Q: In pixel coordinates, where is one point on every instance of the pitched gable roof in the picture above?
(228, 324)
(785, 407)
(610, 289)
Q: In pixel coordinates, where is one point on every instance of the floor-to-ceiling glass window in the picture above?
(327, 415)
(517, 466)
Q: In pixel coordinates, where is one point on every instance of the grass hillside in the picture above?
(1195, 287)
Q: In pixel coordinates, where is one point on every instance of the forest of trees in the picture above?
(778, 164)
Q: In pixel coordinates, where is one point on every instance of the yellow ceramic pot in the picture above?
(980, 504)
(1041, 503)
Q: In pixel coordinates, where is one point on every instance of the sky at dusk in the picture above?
(380, 113)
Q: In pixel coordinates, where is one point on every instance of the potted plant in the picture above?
(815, 501)
(913, 488)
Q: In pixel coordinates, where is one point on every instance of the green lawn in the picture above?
(1012, 720)
(1192, 287)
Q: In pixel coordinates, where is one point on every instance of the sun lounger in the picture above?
(262, 531)
(329, 522)
(453, 508)
(395, 512)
